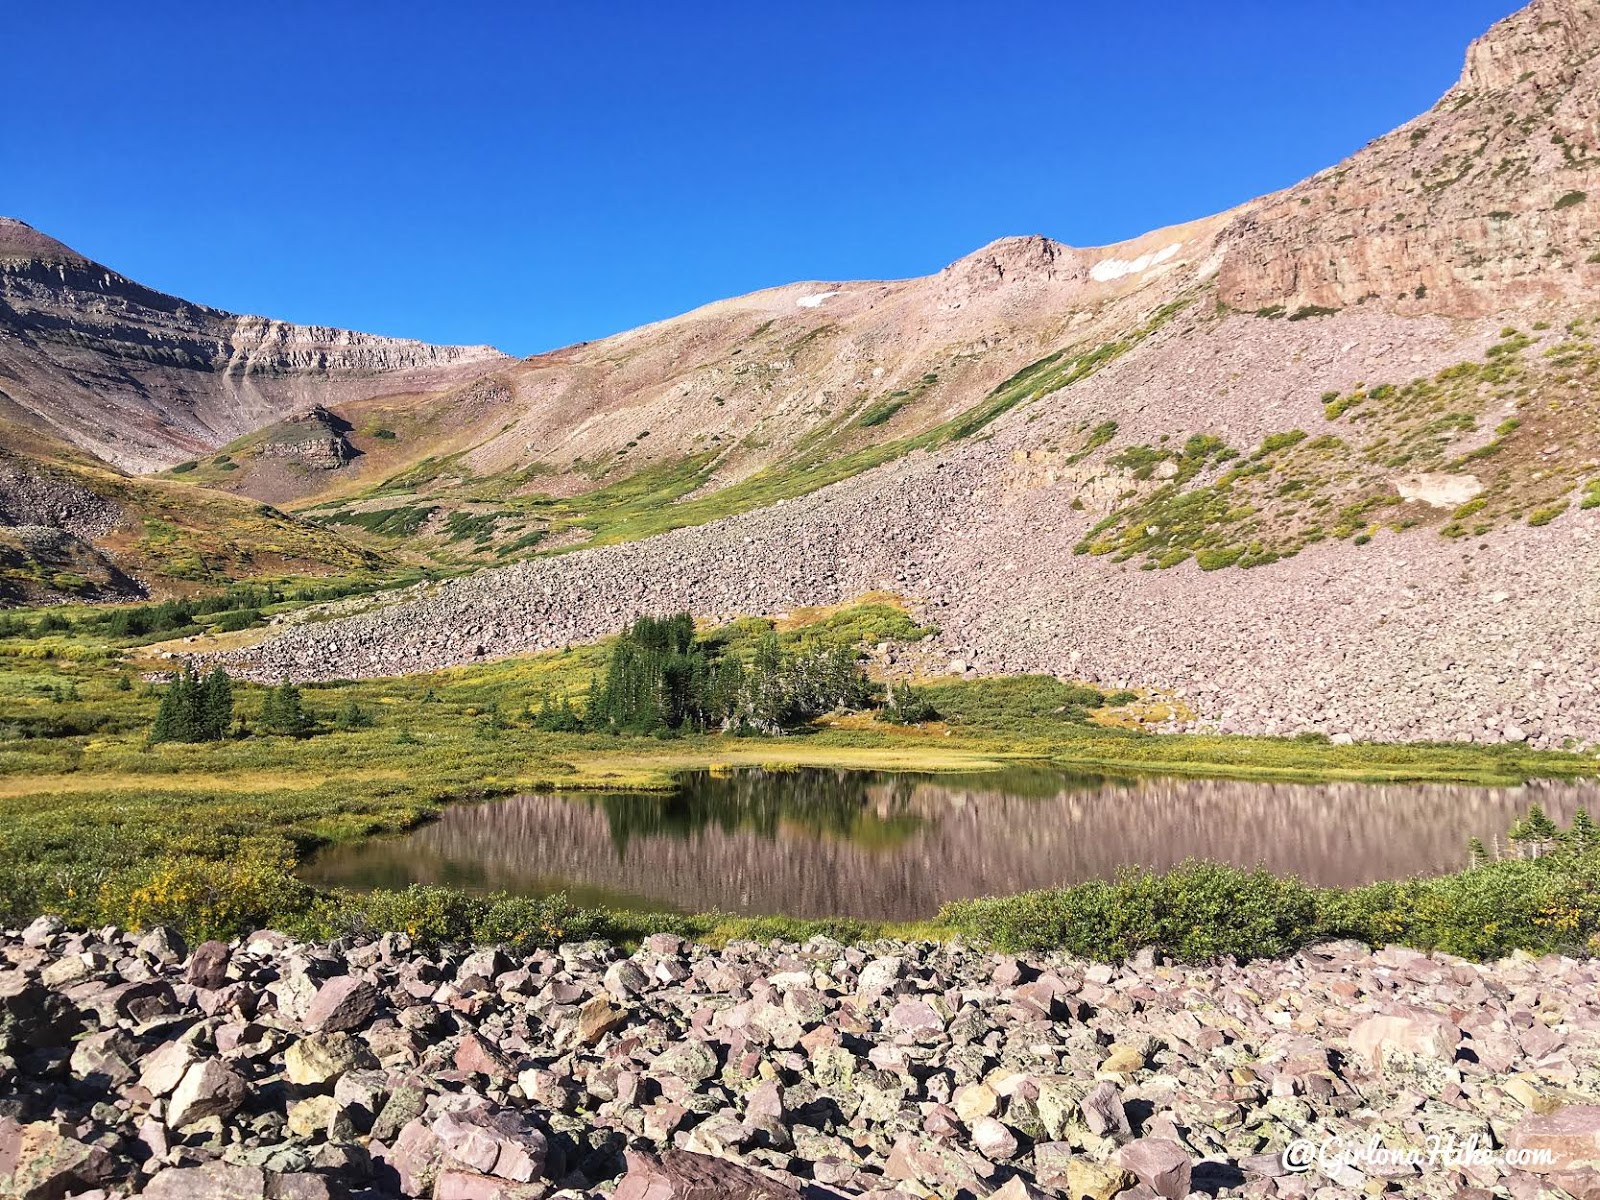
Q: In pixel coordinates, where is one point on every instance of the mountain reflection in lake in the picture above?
(896, 846)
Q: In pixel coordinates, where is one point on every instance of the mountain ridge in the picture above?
(143, 380)
(1278, 476)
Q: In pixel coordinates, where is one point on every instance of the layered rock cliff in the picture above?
(1490, 200)
(145, 380)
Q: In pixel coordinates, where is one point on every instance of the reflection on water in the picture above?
(866, 844)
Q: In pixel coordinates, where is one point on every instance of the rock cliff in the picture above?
(145, 380)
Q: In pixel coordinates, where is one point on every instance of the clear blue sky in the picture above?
(533, 174)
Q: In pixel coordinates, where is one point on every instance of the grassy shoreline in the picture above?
(102, 828)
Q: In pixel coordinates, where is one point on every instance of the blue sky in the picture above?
(534, 174)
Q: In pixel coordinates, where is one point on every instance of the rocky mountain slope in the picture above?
(1393, 424)
(144, 380)
(1479, 207)
(74, 529)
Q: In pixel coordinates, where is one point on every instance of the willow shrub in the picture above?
(1202, 911)
(1539, 905)
(433, 915)
(1196, 912)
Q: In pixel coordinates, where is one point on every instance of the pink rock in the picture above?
(416, 1158)
(208, 965)
(993, 1140)
(342, 1004)
(38, 1160)
(680, 1175)
(477, 1057)
(163, 1068)
(208, 1089)
(916, 1017)
(214, 1181)
(493, 1142)
(1425, 1034)
(469, 1185)
(1161, 1165)
(1570, 1135)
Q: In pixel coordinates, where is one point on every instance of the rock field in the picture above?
(270, 1069)
(1412, 637)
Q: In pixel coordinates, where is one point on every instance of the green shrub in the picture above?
(1543, 516)
(239, 618)
(207, 897)
(434, 916)
(881, 411)
(1540, 905)
(1216, 560)
(1195, 913)
(906, 705)
(1570, 199)
(1304, 312)
(352, 717)
(1274, 442)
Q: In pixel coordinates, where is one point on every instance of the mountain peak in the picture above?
(1538, 45)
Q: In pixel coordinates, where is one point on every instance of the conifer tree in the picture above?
(214, 707)
(1536, 833)
(194, 710)
(1584, 835)
(166, 723)
(283, 712)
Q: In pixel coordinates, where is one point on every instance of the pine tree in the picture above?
(1536, 833)
(214, 712)
(284, 713)
(1584, 835)
(352, 716)
(194, 710)
(166, 723)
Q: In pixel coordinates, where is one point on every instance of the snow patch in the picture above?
(1108, 269)
(814, 300)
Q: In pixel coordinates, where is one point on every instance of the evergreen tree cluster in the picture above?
(283, 712)
(195, 709)
(240, 604)
(662, 678)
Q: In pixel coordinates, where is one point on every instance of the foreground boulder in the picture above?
(676, 1175)
(1570, 1135)
(41, 1162)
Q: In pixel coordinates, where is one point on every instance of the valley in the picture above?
(1087, 722)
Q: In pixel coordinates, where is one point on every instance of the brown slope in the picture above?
(145, 380)
(771, 384)
(1487, 203)
(1355, 624)
(73, 528)
(1483, 205)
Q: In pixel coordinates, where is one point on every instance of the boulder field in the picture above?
(267, 1068)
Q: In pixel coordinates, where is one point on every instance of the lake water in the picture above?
(896, 846)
